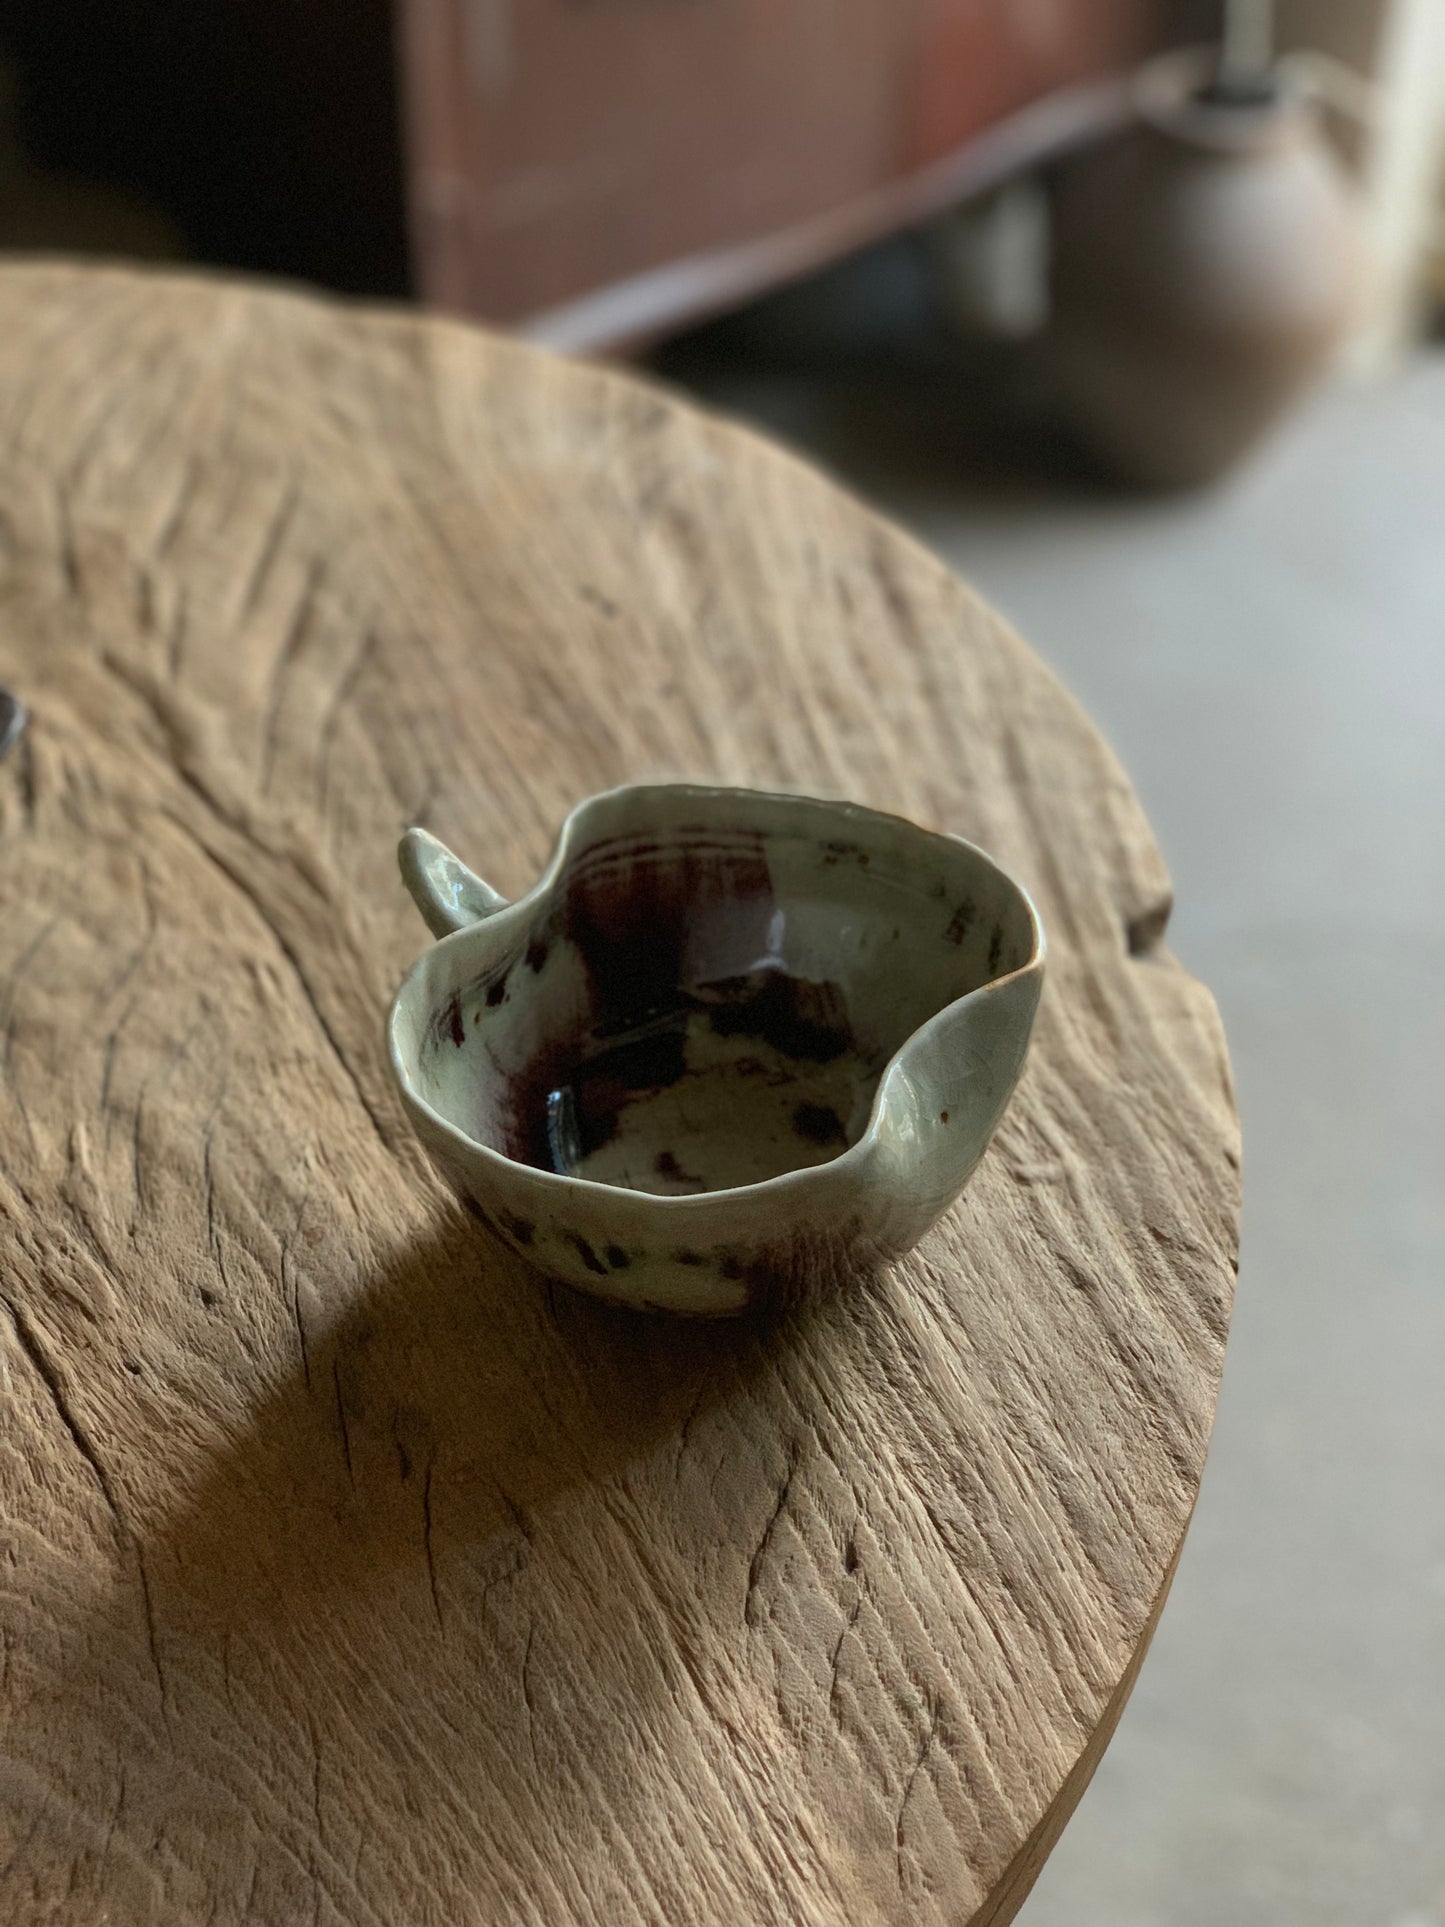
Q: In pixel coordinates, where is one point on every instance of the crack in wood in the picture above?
(755, 1565)
(291, 1288)
(835, 1661)
(271, 541)
(341, 1421)
(150, 1623)
(296, 631)
(65, 552)
(431, 1570)
(922, 1755)
(527, 1689)
(7, 1054)
(45, 1368)
(288, 951)
(335, 709)
(26, 780)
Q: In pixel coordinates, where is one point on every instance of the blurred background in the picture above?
(1128, 309)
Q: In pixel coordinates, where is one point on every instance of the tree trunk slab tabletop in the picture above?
(350, 1573)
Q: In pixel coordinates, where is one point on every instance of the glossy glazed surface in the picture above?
(731, 1045)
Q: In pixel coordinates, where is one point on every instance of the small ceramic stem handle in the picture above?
(446, 892)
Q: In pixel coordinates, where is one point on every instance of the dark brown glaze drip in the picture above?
(799, 1022)
(802, 1020)
(961, 921)
(667, 931)
(522, 1229)
(629, 906)
(585, 1252)
(819, 1125)
(602, 1086)
(667, 1166)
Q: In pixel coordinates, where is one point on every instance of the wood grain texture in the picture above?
(349, 1574)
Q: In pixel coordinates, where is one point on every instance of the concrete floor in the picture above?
(1269, 660)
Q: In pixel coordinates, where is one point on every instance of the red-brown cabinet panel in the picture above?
(559, 147)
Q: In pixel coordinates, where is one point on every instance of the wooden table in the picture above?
(349, 1574)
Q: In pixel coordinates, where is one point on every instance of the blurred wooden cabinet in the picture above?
(654, 158)
(597, 168)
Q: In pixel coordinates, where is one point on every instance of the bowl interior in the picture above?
(710, 1002)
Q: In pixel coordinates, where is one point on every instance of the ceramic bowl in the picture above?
(731, 1045)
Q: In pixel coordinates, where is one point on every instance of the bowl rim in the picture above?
(684, 1204)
